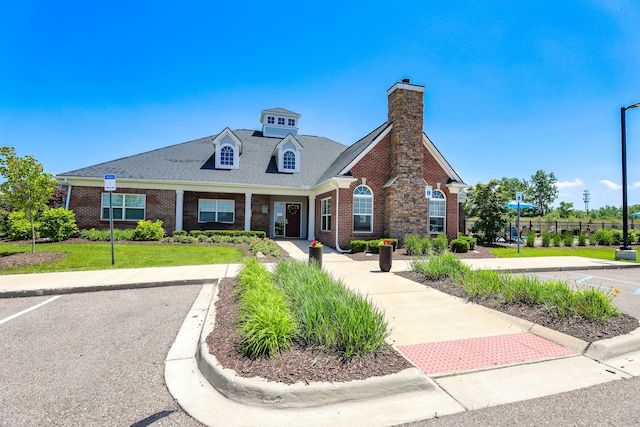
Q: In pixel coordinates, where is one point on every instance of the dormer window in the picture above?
(228, 149)
(271, 120)
(281, 121)
(289, 160)
(226, 156)
(287, 155)
(292, 122)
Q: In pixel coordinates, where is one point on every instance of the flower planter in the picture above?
(385, 257)
(315, 254)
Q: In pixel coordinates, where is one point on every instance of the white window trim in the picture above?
(354, 214)
(123, 207)
(235, 144)
(217, 211)
(444, 224)
(324, 215)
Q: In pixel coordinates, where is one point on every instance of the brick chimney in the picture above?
(405, 202)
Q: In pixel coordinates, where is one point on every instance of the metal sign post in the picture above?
(518, 237)
(110, 186)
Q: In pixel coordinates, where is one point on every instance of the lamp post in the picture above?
(625, 227)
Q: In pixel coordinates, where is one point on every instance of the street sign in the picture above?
(428, 191)
(110, 182)
(519, 196)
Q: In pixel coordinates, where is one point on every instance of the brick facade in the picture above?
(86, 203)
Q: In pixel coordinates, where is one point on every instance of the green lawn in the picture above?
(608, 253)
(97, 256)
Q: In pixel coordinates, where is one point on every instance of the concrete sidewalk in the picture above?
(465, 356)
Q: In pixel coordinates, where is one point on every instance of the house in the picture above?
(285, 183)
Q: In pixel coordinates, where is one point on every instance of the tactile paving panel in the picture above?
(474, 353)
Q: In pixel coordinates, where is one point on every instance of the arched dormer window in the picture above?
(226, 156)
(289, 160)
(437, 212)
(228, 148)
(287, 155)
(362, 209)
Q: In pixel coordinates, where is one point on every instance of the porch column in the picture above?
(247, 211)
(312, 218)
(179, 206)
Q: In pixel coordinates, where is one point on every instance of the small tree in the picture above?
(543, 190)
(488, 204)
(27, 187)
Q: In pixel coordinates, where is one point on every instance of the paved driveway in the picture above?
(91, 359)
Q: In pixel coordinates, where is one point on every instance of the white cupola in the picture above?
(278, 122)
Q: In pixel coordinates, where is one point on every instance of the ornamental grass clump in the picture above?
(481, 283)
(329, 315)
(594, 305)
(444, 265)
(266, 324)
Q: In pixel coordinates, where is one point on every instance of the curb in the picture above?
(546, 269)
(260, 392)
(614, 347)
(98, 288)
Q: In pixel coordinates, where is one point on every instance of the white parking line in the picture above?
(13, 316)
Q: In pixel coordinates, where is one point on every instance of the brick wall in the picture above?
(190, 211)
(86, 203)
(259, 220)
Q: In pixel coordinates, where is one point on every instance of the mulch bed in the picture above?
(299, 364)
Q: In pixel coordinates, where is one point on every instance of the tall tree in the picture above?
(27, 187)
(543, 190)
(510, 186)
(488, 204)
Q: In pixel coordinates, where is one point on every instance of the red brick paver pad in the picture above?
(474, 353)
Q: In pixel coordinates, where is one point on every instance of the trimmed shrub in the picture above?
(471, 240)
(557, 240)
(459, 246)
(602, 237)
(58, 224)
(19, 227)
(531, 239)
(546, 239)
(147, 230)
(567, 240)
(616, 236)
(357, 245)
(426, 245)
(582, 239)
(179, 233)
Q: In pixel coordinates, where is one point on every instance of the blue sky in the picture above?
(511, 86)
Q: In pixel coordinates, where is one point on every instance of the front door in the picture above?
(292, 223)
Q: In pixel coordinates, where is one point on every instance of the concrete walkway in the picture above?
(465, 356)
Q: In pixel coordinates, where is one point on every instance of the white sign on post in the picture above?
(110, 182)
(428, 191)
(519, 197)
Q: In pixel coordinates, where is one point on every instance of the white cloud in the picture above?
(610, 184)
(576, 182)
(635, 185)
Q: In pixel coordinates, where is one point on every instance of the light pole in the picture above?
(585, 197)
(625, 227)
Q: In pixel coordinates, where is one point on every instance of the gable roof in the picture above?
(193, 162)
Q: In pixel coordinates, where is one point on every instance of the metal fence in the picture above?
(559, 226)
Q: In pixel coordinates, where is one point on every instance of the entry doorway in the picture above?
(287, 219)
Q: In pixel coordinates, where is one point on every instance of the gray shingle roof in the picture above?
(193, 162)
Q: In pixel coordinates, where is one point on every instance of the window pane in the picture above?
(117, 213)
(134, 200)
(361, 223)
(226, 156)
(225, 217)
(134, 213)
(225, 205)
(207, 216)
(116, 199)
(289, 160)
(207, 205)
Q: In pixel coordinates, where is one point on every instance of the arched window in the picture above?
(289, 160)
(362, 209)
(226, 156)
(437, 212)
